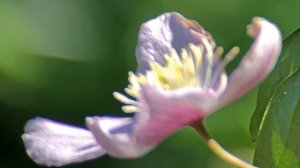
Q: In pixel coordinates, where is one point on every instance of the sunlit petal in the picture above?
(54, 144)
(165, 112)
(116, 135)
(257, 63)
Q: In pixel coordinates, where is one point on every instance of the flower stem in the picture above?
(219, 151)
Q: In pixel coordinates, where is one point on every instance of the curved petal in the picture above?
(170, 30)
(162, 113)
(257, 63)
(54, 144)
(115, 134)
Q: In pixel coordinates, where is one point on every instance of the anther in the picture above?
(209, 63)
(130, 109)
(124, 99)
(218, 53)
(227, 59)
(231, 55)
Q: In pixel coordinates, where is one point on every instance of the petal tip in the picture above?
(254, 28)
(89, 120)
(258, 61)
(51, 143)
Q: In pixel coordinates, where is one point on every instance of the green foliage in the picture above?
(276, 122)
(289, 62)
(278, 142)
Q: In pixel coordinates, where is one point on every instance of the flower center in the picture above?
(197, 66)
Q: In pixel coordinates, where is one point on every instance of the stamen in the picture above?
(196, 51)
(218, 53)
(130, 109)
(124, 99)
(195, 67)
(175, 57)
(152, 78)
(134, 84)
(231, 55)
(188, 68)
(227, 59)
(167, 58)
(209, 63)
(183, 73)
(132, 91)
(197, 54)
(133, 79)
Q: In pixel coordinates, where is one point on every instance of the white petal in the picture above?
(257, 63)
(116, 135)
(51, 143)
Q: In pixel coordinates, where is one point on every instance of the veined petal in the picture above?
(257, 63)
(54, 144)
(116, 135)
(170, 30)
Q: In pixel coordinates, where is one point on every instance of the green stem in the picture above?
(219, 151)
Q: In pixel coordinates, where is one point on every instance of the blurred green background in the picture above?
(63, 59)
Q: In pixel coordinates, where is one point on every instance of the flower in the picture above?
(180, 80)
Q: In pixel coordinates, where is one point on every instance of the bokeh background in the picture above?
(63, 59)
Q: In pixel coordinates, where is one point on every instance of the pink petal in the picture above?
(257, 63)
(170, 30)
(162, 113)
(54, 144)
(116, 136)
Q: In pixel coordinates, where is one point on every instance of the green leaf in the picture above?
(278, 143)
(287, 65)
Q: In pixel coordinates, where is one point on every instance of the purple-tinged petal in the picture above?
(54, 144)
(115, 134)
(257, 63)
(163, 112)
(170, 30)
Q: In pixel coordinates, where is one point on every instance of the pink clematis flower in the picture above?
(180, 80)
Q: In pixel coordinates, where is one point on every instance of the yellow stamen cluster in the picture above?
(192, 68)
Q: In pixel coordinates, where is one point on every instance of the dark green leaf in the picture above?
(278, 143)
(287, 65)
